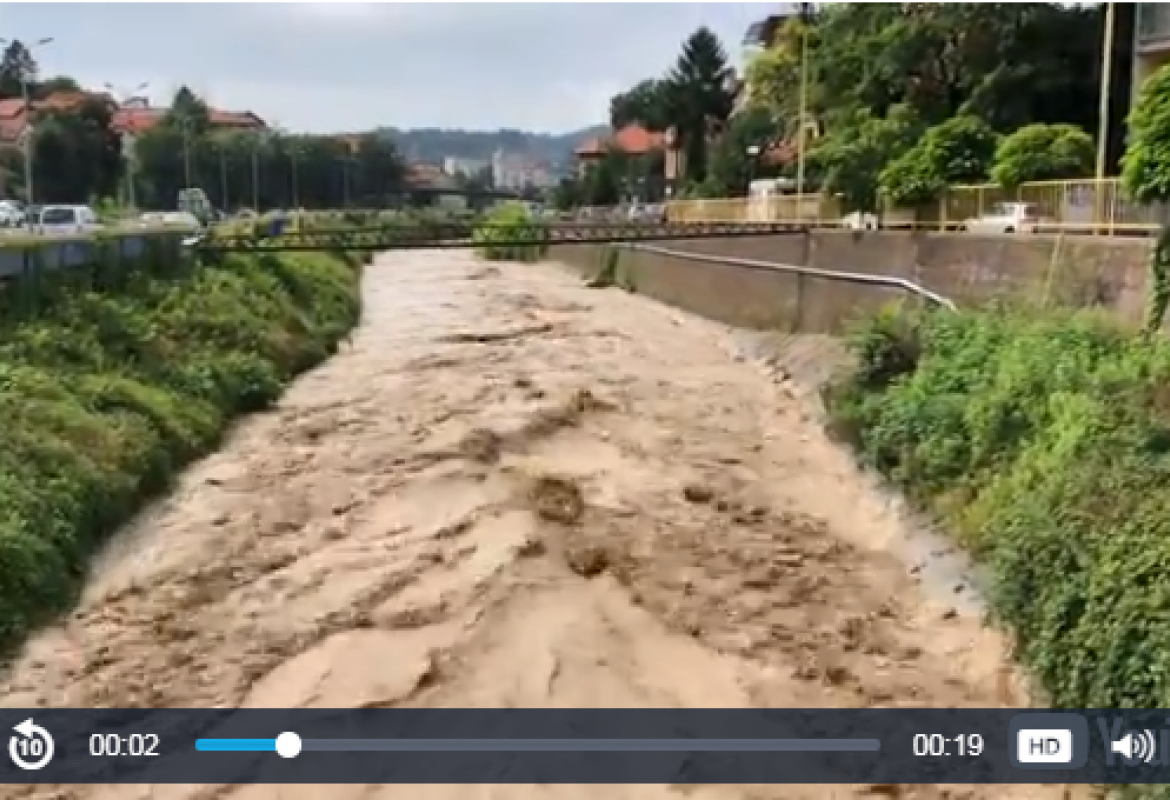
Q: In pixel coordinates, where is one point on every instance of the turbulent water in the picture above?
(512, 491)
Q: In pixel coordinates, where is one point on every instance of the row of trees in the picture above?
(900, 100)
(77, 155)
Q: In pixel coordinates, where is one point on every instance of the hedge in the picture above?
(1043, 439)
(112, 380)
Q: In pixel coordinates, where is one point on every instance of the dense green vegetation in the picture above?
(879, 80)
(111, 380)
(495, 235)
(1043, 440)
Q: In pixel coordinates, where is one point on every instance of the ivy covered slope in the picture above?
(1043, 441)
(111, 381)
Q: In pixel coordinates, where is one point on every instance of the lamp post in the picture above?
(1103, 112)
(28, 124)
(753, 154)
(124, 98)
(1104, 96)
(802, 113)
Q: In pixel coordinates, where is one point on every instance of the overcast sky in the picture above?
(332, 67)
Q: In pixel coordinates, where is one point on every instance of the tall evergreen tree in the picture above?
(699, 97)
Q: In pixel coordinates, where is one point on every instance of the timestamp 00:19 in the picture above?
(937, 745)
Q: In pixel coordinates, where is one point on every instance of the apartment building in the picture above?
(455, 165)
(1151, 47)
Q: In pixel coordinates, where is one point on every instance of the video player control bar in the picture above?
(290, 744)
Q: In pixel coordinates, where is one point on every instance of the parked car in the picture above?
(65, 220)
(1007, 218)
(11, 214)
(860, 221)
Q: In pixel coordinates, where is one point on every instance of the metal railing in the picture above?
(863, 278)
(1080, 206)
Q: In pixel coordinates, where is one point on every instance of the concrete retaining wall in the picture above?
(1067, 270)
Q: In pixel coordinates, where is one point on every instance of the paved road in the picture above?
(512, 491)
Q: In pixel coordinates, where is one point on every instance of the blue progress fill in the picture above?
(236, 745)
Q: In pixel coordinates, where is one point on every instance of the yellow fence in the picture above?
(1084, 206)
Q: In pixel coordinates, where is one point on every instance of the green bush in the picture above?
(511, 233)
(1044, 441)
(107, 387)
(1042, 153)
(956, 151)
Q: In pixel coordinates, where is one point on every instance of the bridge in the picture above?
(454, 235)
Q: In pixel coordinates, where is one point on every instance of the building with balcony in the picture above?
(1151, 46)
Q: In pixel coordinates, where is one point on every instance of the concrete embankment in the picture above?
(1062, 270)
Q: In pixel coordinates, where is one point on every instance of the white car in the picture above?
(860, 221)
(11, 214)
(65, 221)
(1006, 218)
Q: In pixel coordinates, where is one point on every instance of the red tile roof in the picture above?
(126, 120)
(636, 139)
(633, 139)
(140, 120)
(12, 110)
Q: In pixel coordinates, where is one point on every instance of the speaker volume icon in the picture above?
(1140, 745)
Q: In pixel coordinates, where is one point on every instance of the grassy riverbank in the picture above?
(1043, 440)
(111, 381)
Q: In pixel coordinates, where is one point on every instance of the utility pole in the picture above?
(1104, 96)
(27, 134)
(187, 152)
(802, 113)
(1103, 113)
(296, 193)
(223, 177)
(256, 174)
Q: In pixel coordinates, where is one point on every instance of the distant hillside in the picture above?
(431, 145)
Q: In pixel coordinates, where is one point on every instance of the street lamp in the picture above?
(124, 98)
(1103, 113)
(259, 141)
(28, 127)
(805, 21)
(753, 154)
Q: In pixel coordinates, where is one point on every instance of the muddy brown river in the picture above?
(509, 490)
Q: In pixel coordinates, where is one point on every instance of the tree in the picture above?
(732, 166)
(568, 194)
(55, 85)
(959, 150)
(1005, 62)
(188, 112)
(1145, 175)
(698, 97)
(851, 158)
(644, 105)
(1042, 152)
(16, 64)
(604, 180)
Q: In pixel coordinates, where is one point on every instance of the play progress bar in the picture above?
(290, 745)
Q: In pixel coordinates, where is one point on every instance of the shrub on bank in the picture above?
(511, 233)
(1043, 440)
(109, 383)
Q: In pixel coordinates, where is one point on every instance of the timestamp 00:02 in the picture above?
(135, 745)
(939, 746)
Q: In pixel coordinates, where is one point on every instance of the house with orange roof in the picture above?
(130, 120)
(632, 140)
